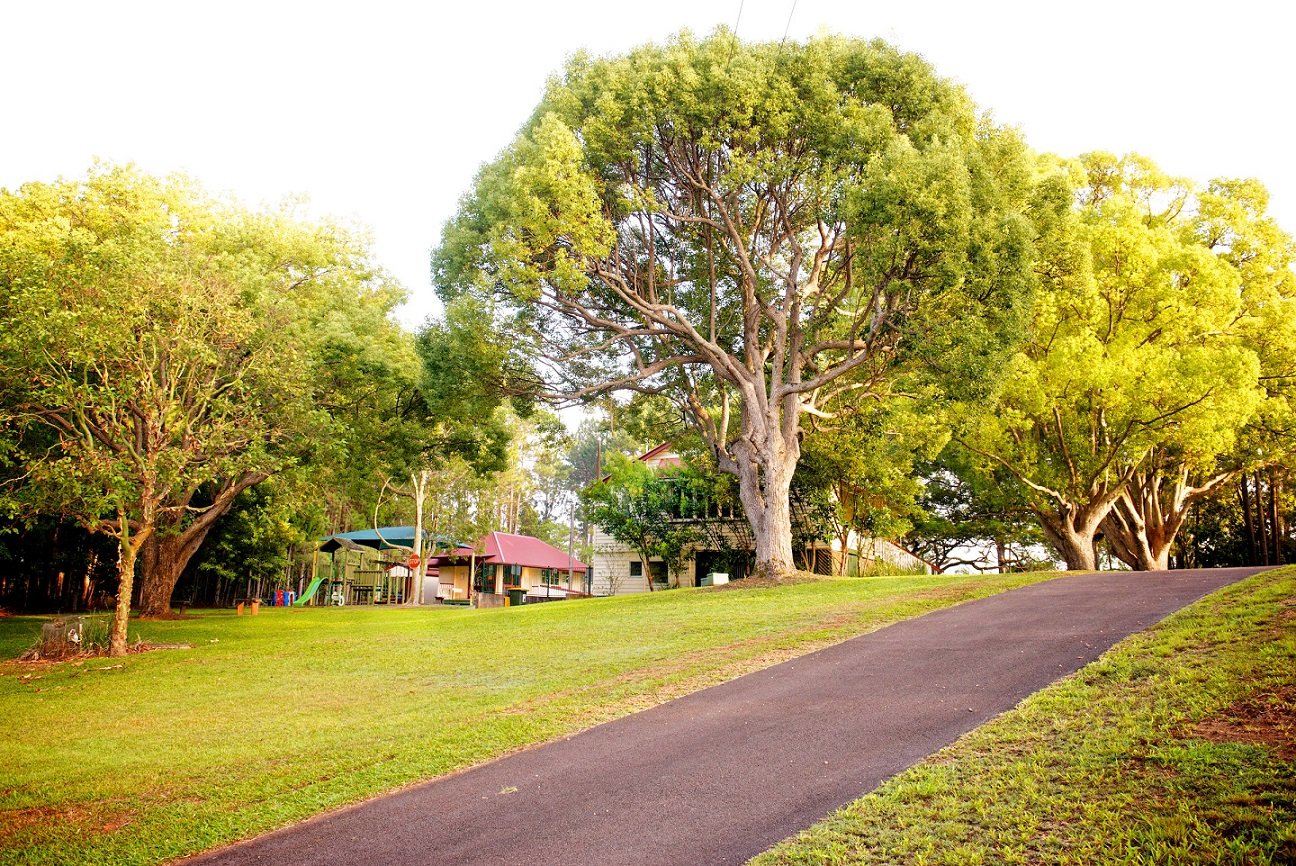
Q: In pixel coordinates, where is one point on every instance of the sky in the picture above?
(381, 113)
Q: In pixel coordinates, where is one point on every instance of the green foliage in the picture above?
(754, 233)
(161, 351)
(590, 445)
(1142, 355)
(1250, 521)
(647, 510)
(254, 539)
(862, 468)
(464, 384)
(854, 134)
(964, 508)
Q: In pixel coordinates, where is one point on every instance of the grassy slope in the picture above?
(270, 719)
(1138, 758)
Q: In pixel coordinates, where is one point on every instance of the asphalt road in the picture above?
(720, 775)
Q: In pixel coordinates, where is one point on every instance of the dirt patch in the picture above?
(102, 818)
(1265, 718)
(32, 658)
(16, 821)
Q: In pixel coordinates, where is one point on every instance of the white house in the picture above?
(616, 568)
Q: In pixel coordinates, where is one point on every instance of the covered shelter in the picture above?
(370, 566)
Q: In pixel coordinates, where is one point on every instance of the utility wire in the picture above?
(789, 21)
(739, 21)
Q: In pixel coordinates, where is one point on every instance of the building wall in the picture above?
(611, 568)
(531, 577)
(886, 552)
(611, 565)
(458, 576)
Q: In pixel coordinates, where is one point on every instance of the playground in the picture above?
(368, 566)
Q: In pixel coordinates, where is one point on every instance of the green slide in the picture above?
(310, 591)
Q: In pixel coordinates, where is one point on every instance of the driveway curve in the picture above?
(720, 775)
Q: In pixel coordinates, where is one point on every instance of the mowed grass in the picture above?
(1176, 747)
(268, 720)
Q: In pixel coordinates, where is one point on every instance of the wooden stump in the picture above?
(60, 638)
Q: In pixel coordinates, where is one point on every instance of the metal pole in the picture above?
(571, 536)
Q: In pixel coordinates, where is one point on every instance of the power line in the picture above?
(739, 21)
(789, 21)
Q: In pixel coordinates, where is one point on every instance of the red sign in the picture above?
(413, 561)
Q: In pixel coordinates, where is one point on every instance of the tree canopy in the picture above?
(1143, 366)
(758, 232)
(162, 351)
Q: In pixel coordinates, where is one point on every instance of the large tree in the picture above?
(758, 232)
(1140, 372)
(161, 352)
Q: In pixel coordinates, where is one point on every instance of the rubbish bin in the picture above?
(516, 596)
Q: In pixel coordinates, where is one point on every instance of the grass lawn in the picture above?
(1178, 746)
(268, 720)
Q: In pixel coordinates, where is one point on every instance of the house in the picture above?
(617, 568)
(508, 566)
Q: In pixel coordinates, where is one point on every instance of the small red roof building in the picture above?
(508, 549)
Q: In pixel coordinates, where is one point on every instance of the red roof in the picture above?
(509, 549)
(662, 456)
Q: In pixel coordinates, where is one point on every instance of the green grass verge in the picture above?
(1176, 747)
(268, 720)
(18, 633)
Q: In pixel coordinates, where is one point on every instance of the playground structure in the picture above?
(365, 567)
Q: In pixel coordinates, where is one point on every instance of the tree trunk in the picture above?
(1261, 522)
(1275, 534)
(128, 546)
(168, 551)
(162, 560)
(773, 526)
(764, 460)
(1244, 497)
(419, 481)
(125, 583)
(1071, 532)
(1145, 520)
(1141, 546)
(1280, 523)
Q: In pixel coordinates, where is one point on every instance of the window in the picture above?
(485, 577)
(512, 575)
(656, 568)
